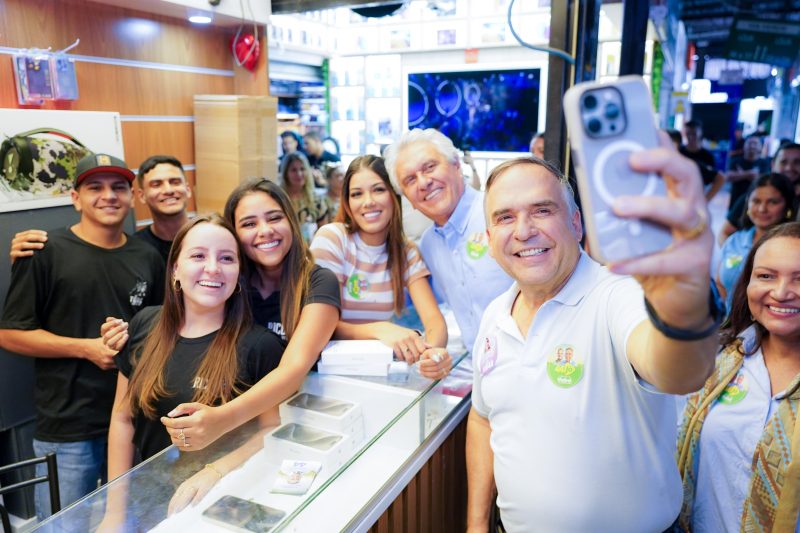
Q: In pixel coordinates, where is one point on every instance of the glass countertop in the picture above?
(371, 426)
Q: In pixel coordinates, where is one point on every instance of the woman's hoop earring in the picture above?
(176, 285)
(238, 288)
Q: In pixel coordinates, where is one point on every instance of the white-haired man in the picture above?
(424, 166)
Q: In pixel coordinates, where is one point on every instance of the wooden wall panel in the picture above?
(125, 34)
(143, 139)
(436, 498)
(140, 91)
(109, 31)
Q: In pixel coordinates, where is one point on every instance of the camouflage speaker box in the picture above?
(40, 165)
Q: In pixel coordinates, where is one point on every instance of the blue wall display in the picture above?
(491, 111)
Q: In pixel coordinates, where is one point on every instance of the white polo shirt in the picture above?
(580, 444)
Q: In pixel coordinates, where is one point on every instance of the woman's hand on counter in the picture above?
(193, 426)
(407, 344)
(435, 363)
(193, 490)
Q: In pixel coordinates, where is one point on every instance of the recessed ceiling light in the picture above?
(200, 19)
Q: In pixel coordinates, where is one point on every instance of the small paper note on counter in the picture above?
(296, 477)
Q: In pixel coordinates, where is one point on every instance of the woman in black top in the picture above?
(201, 345)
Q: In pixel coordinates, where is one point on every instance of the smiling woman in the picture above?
(754, 395)
(373, 261)
(769, 202)
(199, 346)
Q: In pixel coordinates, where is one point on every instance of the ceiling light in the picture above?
(200, 19)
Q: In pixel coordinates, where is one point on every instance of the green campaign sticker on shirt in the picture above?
(563, 367)
(732, 261)
(735, 391)
(477, 245)
(357, 286)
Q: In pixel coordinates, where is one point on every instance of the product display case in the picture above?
(367, 432)
(365, 102)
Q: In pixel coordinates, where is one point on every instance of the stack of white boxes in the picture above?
(317, 428)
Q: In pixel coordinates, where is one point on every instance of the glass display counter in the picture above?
(397, 423)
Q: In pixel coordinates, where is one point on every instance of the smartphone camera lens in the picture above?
(612, 111)
(594, 126)
(590, 102)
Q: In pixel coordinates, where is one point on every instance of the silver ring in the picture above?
(181, 435)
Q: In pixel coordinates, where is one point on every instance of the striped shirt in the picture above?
(363, 272)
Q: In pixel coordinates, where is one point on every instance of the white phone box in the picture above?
(351, 352)
(354, 369)
(324, 412)
(306, 443)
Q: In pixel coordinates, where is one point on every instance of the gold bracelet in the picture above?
(213, 468)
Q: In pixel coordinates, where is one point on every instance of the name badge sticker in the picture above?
(564, 366)
(736, 390)
(489, 357)
(477, 245)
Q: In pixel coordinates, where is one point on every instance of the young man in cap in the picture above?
(162, 188)
(56, 302)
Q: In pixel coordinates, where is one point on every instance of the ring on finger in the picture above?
(181, 435)
(700, 227)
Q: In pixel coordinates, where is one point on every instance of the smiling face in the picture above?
(370, 206)
(773, 293)
(296, 176)
(165, 190)
(766, 207)
(207, 268)
(103, 199)
(532, 234)
(787, 162)
(431, 183)
(752, 148)
(263, 230)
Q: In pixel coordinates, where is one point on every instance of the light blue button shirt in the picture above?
(732, 257)
(464, 274)
(728, 441)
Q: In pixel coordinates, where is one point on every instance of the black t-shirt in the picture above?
(326, 157)
(705, 162)
(739, 188)
(147, 235)
(323, 289)
(69, 288)
(259, 353)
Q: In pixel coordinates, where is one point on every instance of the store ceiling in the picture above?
(300, 6)
(708, 22)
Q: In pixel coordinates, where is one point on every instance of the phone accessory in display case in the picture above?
(296, 477)
(33, 77)
(306, 443)
(241, 515)
(65, 82)
(325, 413)
(606, 123)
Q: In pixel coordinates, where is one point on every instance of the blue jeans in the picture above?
(81, 465)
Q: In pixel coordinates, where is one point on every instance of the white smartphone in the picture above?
(605, 123)
(241, 515)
